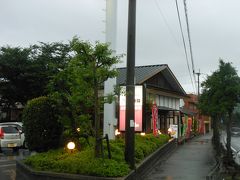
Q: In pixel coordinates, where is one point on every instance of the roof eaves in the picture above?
(153, 74)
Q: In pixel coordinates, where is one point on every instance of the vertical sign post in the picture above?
(154, 118)
(137, 108)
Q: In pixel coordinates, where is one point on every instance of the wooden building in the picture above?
(160, 87)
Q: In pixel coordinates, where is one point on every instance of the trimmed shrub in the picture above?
(41, 126)
(84, 162)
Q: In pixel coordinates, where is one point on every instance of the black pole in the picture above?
(108, 147)
(198, 74)
(198, 85)
(130, 89)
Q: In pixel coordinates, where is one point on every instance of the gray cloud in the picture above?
(213, 23)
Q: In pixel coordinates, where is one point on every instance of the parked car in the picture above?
(18, 125)
(9, 137)
(235, 131)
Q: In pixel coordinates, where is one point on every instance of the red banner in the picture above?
(154, 118)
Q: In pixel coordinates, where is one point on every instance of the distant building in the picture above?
(155, 84)
(199, 123)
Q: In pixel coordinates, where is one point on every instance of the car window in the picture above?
(10, 129)
(18, 127)
(15, 125)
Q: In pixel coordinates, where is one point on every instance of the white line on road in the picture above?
(6, 160)
(7, 165)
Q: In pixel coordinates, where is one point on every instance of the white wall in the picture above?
(111, 32)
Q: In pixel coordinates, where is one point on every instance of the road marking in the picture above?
(8, 165)
(6, 160)
(11, 173)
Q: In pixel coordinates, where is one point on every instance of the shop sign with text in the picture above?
(174, 130)
(137, 107)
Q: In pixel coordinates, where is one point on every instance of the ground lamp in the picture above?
(71, 145)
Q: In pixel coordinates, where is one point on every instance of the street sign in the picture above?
(154, 118)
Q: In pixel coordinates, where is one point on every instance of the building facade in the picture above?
(201, 124)
(160, 89)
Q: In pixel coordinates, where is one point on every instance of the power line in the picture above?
(189, 39)
(166, 22)
(184, 43)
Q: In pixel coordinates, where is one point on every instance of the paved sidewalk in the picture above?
(191, 161)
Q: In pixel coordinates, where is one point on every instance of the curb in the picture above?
(23, 172)
(149, 162)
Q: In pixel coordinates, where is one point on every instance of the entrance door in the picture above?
(207, 127)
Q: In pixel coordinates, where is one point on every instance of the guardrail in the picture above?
(236, 154)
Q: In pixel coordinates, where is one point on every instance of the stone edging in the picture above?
(24, 172)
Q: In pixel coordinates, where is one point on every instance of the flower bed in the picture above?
(85, 163)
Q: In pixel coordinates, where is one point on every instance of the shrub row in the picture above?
(84, 162)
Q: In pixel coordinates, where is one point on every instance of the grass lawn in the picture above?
(84, 162)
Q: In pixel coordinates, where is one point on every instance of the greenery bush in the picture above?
(41, 127)
(84, 162)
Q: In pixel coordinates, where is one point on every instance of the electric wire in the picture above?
(166, 22)
(189, 39)
(184, 44)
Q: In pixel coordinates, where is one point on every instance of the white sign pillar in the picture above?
(110, 121)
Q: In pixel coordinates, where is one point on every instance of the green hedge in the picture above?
(83, 162)
(40, 122)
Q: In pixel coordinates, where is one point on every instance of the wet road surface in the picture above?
(8, 163)
(191, 161)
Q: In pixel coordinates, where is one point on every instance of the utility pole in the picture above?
(198, 74)
(130, 88)
(198, 93)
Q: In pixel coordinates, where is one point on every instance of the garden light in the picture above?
(117, 132)
(71, 145)
(142, 133)
(169, 130)
(78, 129)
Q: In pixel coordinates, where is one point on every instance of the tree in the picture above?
(236, 116)
(74, 97)
(229, 94)
(208, 104)
(41, 126)
(13, 62)
(220, 95)
(79, 85)
(25, 72)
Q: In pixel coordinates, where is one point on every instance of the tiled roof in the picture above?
(142, 73)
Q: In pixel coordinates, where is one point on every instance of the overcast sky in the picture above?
(214, 28)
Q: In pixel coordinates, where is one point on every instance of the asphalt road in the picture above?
(7, 167)
(8, 163)
(235, 144)
(235, 141)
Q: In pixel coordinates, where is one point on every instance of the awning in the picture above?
(162, 108)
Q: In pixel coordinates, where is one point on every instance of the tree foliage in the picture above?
(220, 95)
(25, 72)
(78, 87)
